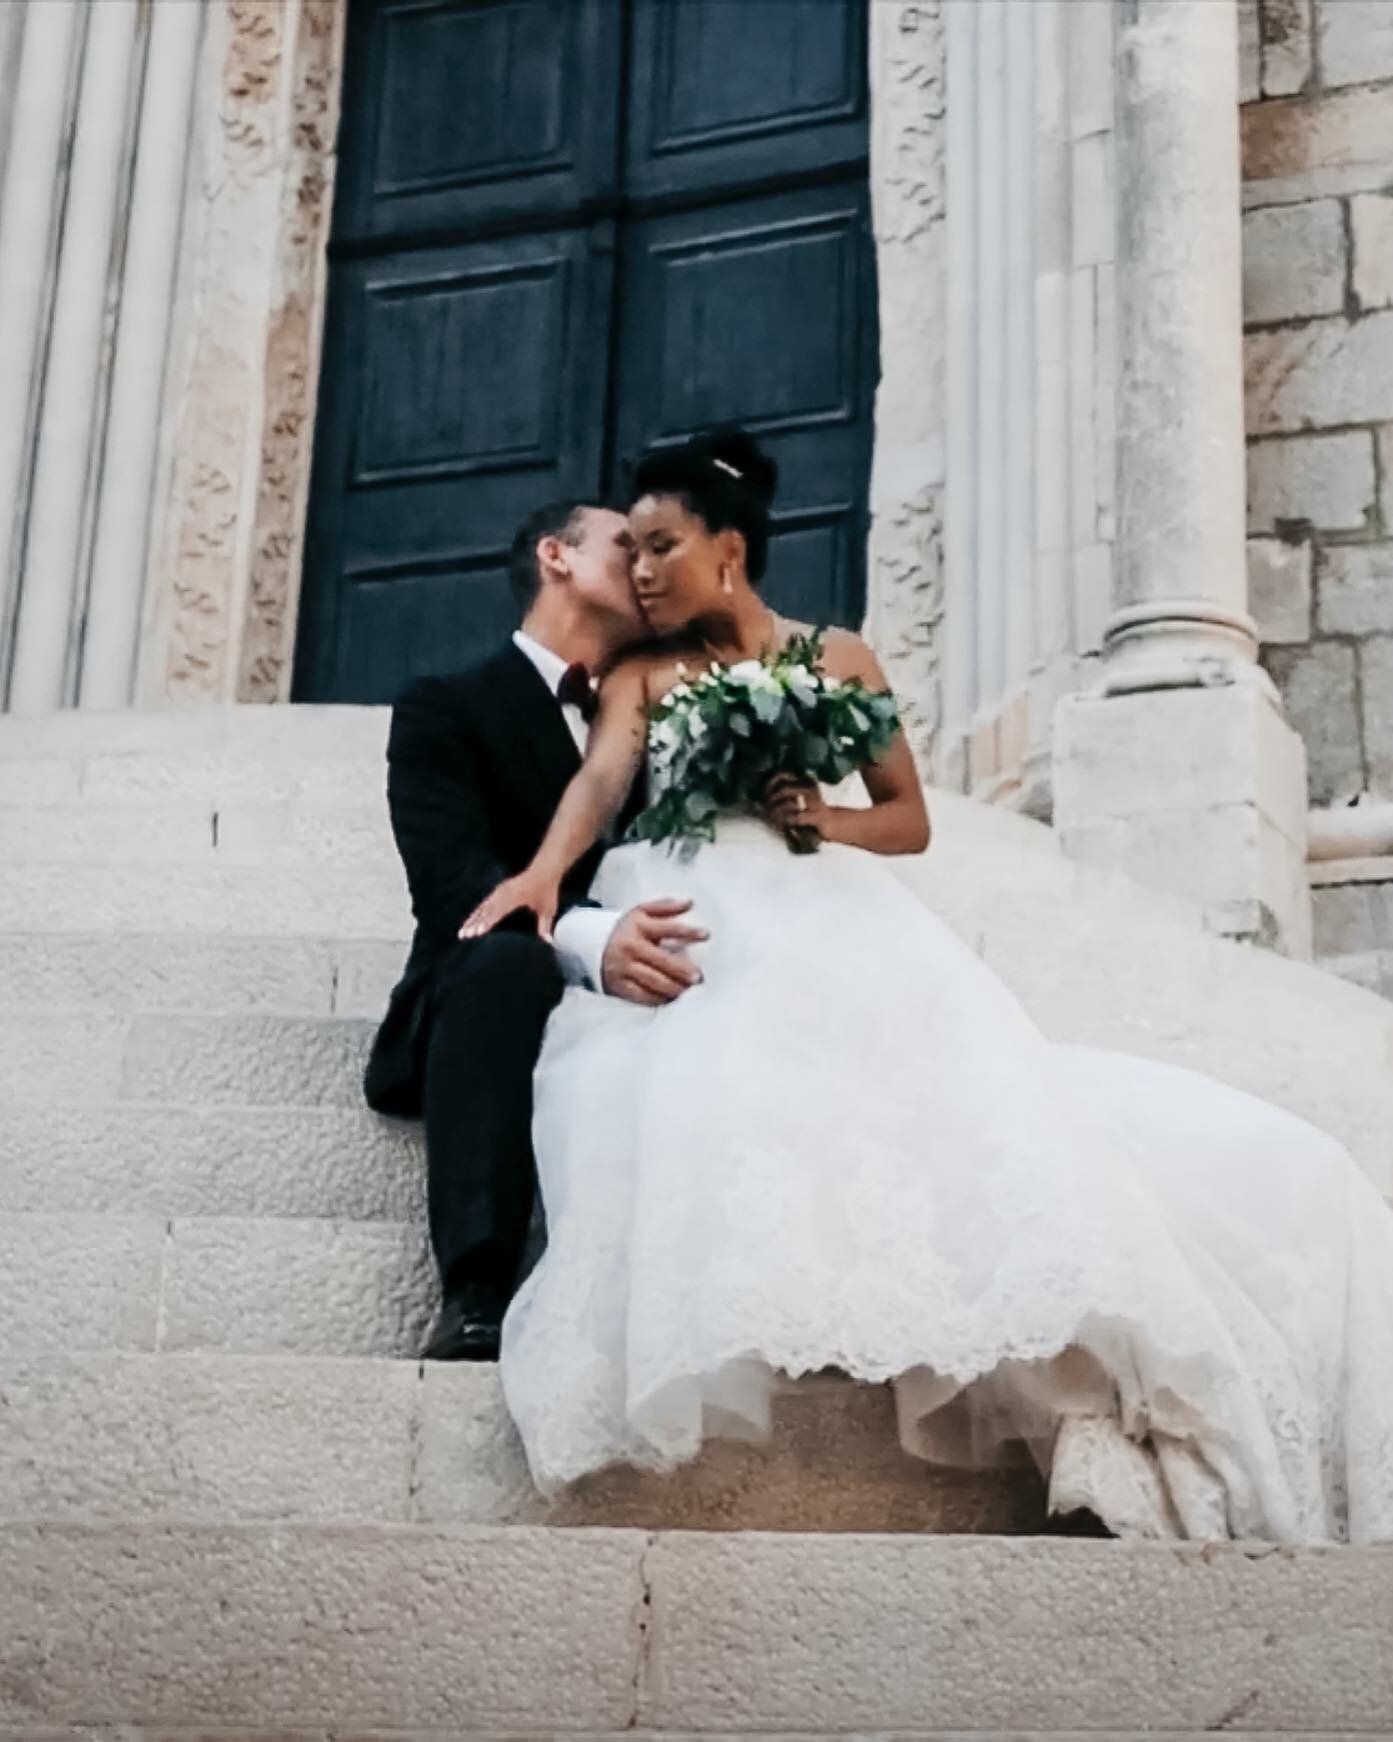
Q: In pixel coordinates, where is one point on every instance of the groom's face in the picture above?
(600, 562)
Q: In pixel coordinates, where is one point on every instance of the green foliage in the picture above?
(719, 738)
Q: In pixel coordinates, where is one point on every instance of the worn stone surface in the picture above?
(1371, 224)
(297, 1286)
(842, 1633)
(136, 1437)
(1355, 588)
(210, 975)
(365, 973)
(1202, 749)
(38, 781)
(1376, 690)
(310, 737)
(218, 1439)
(1324, 481)
(1249, 52)
(544, 1631)
(1318, 691)
(353, 1628)
(1356, 41)
(296, 900)
(70, 833)
(1371, 969)
(338, 1162)
(1293, 261)
(1326, 373)
(1286, 46)
(1303, 148)
(203, 1734)
(69, 1283)
(1279, 590)
(246, 1060)
(77, 1057)
(1354, 918)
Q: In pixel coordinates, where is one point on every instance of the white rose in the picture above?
(749, 671)
(802, 684)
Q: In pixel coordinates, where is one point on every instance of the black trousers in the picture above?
(490, 1001)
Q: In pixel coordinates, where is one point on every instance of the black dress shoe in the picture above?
(468, 1327)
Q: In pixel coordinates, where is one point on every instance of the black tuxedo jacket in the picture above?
(476, 766)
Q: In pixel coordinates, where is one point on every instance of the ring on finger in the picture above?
(802, 804)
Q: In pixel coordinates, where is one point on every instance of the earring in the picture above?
(727, 585)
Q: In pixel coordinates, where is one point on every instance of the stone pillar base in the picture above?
(1199, 792)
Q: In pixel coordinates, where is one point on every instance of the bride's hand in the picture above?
(791, 803)
(531, 890)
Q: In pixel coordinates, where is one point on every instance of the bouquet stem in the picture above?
(802, 838)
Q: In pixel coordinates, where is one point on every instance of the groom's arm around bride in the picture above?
(476, 765)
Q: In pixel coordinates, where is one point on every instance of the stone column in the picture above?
(1179, 768)
(48, 624)
(42, 58)
(121, 540)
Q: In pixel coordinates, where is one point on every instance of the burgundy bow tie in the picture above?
(574, 691)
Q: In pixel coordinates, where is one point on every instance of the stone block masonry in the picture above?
(1317, 126)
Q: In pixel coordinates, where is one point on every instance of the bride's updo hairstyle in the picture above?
(725, 478)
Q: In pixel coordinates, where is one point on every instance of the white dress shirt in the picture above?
(582, 933)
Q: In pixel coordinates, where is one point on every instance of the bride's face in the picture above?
(678, 563)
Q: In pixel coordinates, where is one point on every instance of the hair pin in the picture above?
(725, 466)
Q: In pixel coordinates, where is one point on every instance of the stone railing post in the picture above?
(1178, 767)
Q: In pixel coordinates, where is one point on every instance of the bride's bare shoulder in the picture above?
(846, 655)
(654, 667)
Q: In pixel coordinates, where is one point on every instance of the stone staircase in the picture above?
(232, 1504)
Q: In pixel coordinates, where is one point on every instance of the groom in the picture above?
(476, 764)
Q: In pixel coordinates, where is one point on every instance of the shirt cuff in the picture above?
(582, 936)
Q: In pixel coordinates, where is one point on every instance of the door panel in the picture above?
(467, 114)
(725, 94)
(474, 390)
(483, 351)
(762, 312)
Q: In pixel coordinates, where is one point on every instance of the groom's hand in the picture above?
(643, 961)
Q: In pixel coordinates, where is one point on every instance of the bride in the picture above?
(849, 1147)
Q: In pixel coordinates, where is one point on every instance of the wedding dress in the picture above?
(850, 1147)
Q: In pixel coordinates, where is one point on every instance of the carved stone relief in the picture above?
(223, 596)
(905, 605)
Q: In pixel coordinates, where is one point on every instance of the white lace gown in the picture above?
(850, 1147)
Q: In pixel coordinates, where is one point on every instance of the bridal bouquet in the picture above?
(719, 738)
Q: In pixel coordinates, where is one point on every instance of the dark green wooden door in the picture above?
(563, 229)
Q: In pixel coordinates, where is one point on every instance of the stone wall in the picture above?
(1318, 294)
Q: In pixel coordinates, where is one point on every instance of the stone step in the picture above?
(367, 900)
(202, 1733)
(331, 1163)
(191, 776)
(230, 834)
(239, 1439)
(73, 1283)
(183, 1059)
(325, 732)
(196, 973)
(259, 1629)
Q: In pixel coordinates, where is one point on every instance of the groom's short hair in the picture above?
(560, 519)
